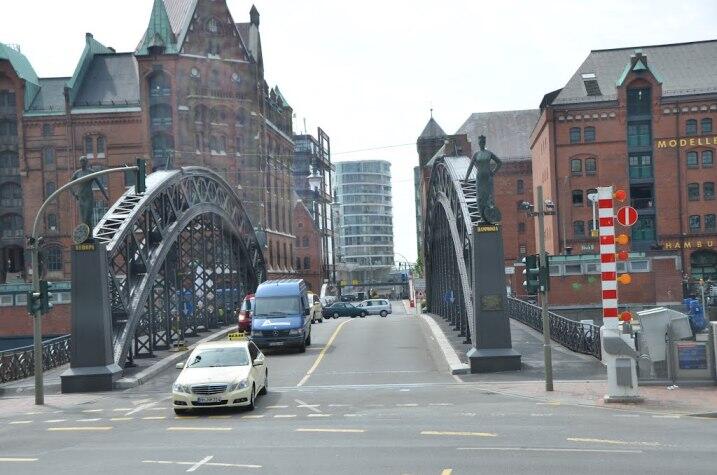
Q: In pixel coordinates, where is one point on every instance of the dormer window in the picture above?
(213, 26)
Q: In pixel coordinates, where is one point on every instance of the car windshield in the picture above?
(277, 306)
(218, 357)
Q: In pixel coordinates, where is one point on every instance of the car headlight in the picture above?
(240, 385)
(256, 333)
(181, 388)
(296, 331)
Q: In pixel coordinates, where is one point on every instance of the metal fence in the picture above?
(19, 363)
(579, 337)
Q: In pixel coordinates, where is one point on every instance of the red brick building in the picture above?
(640, 120)
(308, 247)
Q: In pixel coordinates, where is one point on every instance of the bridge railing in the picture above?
(18, 363)
(579, 337)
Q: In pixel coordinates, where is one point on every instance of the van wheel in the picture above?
(384, 313)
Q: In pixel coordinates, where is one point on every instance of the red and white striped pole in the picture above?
(608, 267)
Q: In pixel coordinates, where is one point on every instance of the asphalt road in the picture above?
(377, 400)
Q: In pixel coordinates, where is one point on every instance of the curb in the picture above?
(454, 363)
(147, 374)
(24, 389)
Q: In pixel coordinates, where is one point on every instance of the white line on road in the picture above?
(211, 429)
(311, 407)
(612, 442)
(200, 463)
(17, 459)
(332, 430)
(20, 422)
(122, 409)
(208, 464)
(440, 404)
(153, 418)
(338, 405)
(256, 416)
(49, 421)
(141, 407)
(411, 404)
(547, 449)
(93, 410)
(87, 420)
(121, 418)
(78, 429)
(318, 415)
(457, 433)
(666, 416)
(284, 416)
(276, 407)
(626, 415)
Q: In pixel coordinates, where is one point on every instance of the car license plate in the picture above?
(276, 343)
(208, 399)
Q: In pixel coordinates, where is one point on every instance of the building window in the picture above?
(638, 101)
(298, 263)
(10, 195)
(577, 197)
(52, 222)
(638, 135)
(159, 85)
(8, 128)
(50, 188)
(89, 146)
(11, 225)
(707, 159)
(213, 26)
(710, 222)
(101, 146)
(222, 144)
(693, 192)
(9, 163)
(7, 99)
(695, 223)
(589, 136)
(692, 160)
(579, 228)
(237, 144)
(305, 241)
(198, 142)
(307, 262)
(519, 187)
(162, 146)
(575, 135)
(691, 127)
(160, 115)
(47, 130)
(48, 156)
(590, 166)
(706, 126)
(708, 190)
(576, 167)
(521, 228)
(200, 114)
(53, 259)
(643, 230)
(241, 117)
(522, 250)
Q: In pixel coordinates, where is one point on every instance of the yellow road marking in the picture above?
(447, 471)
(200, 428)
(153, 418)
(17, 459)
(331, 430)
(612, 442)
(88, 428)
(475, 434)
(321, 355)
(121, 418)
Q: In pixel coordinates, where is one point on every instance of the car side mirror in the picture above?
(180, 365)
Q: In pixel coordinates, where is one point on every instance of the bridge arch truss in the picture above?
(180, 256)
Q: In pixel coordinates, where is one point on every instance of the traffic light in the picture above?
(544, 275)
(45, 296)
(140, 184)
(33, 302)
(532, 274)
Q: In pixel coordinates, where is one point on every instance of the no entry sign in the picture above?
(627, 216)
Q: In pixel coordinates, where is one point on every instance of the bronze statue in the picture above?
(85, 196)
(489, 212)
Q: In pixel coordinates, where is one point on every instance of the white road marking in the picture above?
(121, 418)
(459, 433)
(141, 407)
(318, 415)
(666, 416)
(200, 463)
(284, 416)
(540, 415)
(276, 407)
(122, 409)
(208, 464)
(625, 415)
(93, 410)
(87, 428)
(411, 404)
(338, 405)
(154, 418)
(17, 459)
(311, 407)
(256, 416)
(440, 404)
(612, 442)
(210, 429)
(88, 420)
(353, 415)
(20, 422)
(548, 449)
(50, 421)
(375, 405)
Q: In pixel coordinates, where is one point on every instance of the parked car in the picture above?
(220, 374)
(246, 311)
(316, 308)
(376, 307)
(281, 315)
(343, 309)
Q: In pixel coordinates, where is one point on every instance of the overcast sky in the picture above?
(367, 72)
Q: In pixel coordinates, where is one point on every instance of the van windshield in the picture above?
(277, 306)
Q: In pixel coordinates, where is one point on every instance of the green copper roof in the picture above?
(159, 31)
(24, 71)
(637, 64)
(92, 47)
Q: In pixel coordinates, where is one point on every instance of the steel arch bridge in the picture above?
(179, 256)
(451, 212)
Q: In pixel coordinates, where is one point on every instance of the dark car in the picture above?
(343, 309)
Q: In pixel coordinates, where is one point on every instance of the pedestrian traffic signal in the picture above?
(33, 302)
(45, 296)
(544, 275)
(532, 274)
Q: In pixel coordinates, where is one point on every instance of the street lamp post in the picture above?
(34, 242)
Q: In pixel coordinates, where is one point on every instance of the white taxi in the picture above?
(220, 374)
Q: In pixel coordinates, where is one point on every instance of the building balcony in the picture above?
(212, 93)
(11, 205)
(643, 204)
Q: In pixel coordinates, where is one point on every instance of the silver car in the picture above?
(376, 307)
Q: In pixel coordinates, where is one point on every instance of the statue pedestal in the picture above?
(92, 366)
(492, 347)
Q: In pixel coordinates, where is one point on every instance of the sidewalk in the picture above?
(578, 379)
(145, 368)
